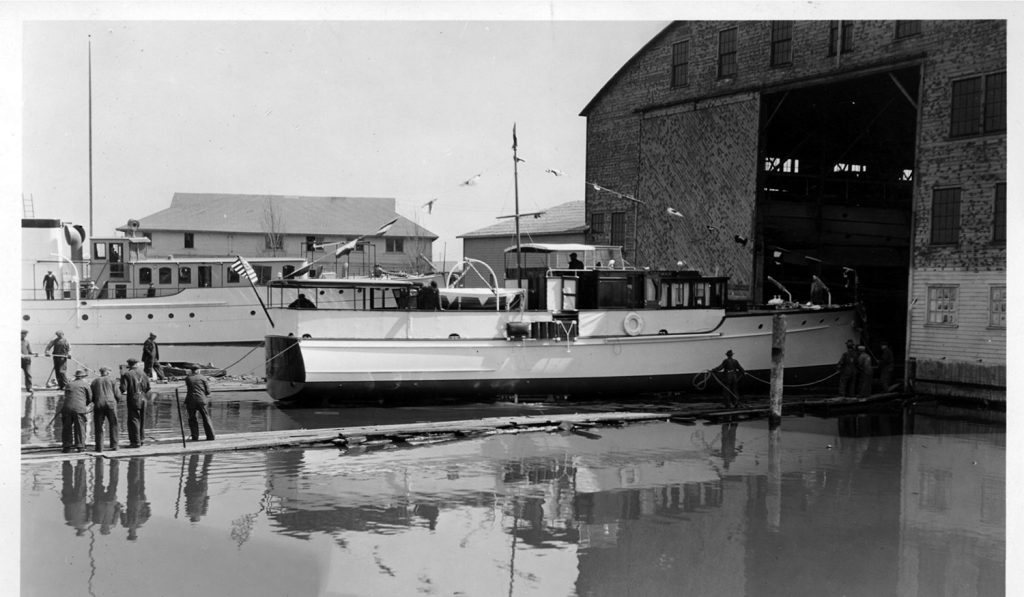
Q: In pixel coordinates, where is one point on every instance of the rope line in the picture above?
(700, 381)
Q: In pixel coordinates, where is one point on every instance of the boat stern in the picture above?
(286, 371)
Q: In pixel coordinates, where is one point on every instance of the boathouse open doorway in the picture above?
(835, 192)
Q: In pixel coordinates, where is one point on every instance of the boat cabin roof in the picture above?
(343, 283)
(556, 248)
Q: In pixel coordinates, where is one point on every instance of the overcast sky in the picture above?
(402, 109)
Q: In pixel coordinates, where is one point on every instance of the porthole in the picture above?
(150, 316)
(306, 336)
(454, 336)
(192, 315)
(323, 292)
(128, 316)
(85, 317)
(342, 291)
(26, 317)
(804, 322)
(662, 332)
(759, 326)
(821, 321)
(252, 313)
(170, 316)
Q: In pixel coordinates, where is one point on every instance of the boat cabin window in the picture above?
(263, 273)
(286, 270)
(99, 250)
(692, 293)
(165, 275)
(184, 275)
(116, 260)
(145, 275)
(205, 276)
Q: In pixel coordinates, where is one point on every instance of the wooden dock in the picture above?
(412, 434)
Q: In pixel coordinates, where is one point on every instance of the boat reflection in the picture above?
(825, 506)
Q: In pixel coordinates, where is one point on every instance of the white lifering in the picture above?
(633, 324)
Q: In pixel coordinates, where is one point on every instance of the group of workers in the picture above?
(857, 369)
(104, 393)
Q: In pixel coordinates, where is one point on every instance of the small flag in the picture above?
(242, 268)
(347, 248)
(385, 227)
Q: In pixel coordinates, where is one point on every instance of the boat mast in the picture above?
(90, 136)
(515, 171)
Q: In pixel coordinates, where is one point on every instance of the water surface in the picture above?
(872, 505)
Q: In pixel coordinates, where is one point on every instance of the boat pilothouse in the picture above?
(597, 326)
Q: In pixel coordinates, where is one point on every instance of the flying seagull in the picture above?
(470, 181)
(674, 212)
(555, 172)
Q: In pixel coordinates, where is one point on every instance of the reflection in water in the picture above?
(844, 506)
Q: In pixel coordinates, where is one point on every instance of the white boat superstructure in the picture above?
(593, 330)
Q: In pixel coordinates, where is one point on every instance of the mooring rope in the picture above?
(266, 362)
(700, 381)
(799, 385)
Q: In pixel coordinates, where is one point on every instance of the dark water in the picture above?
(894, 504)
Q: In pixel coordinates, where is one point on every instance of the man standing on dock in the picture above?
(135, 385)
(886, 361)
(60, 348)
(847, 367)
(195, 403)
(105, 396)
(49, 284)
(77, 397)
(733, 372)
(26, 361)
(151, 357)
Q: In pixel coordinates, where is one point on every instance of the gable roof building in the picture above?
(565, 223)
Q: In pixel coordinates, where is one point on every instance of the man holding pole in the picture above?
(77, 397)
(60, 349)
(135, 386)
(733, 372)
(105, 395)
(195, 403)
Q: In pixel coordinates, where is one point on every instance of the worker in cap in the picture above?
(60, 349)
(135, 386)
(151, 358)
(195, 403)
(865, 371)
(26, 361)
(77, 398)
(106, 394)
(732, 371)
(847, 367)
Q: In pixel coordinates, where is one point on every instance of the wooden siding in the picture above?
(208, 244)
(971, 340)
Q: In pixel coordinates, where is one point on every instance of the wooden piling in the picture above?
(778, 358)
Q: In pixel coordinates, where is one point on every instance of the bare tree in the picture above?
(273, 226)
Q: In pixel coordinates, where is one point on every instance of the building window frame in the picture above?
(680, 63)
(618, 229)
(942, 306)
(999, 214)
(315, 243)
(273, 241)
(997, 307)
(905, 29)
(945, 219)
(728, 40)
(597, 223)
(977, 106)
(845, 41)
(394, 245)
(782, 43)
(190, 240)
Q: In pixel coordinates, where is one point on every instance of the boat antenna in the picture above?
(91, 229)
(515, 171)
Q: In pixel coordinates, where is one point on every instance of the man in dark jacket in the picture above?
(731, 386)
(195, 403)
(886, 360)
(77, 398)
(49, 284)
(135, 386)
(105, 396)
(26, 361)
(151, 358)
(847, 367)
(60, 348)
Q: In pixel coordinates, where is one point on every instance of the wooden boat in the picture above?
(590, 331)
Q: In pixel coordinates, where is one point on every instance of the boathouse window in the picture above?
(782, 43)
(145, 275)
(184, 275)
(999, 215)
(393, 245)
(263, 273)
(845, 41)
(907, 29)
(618, 229)
(680, 63)
(997, 307)
(597, 223)
(978, 106)
(314, 243)
(727, 53)
(946, 216)
(942, 305)
(165, 275)
(190, 240)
